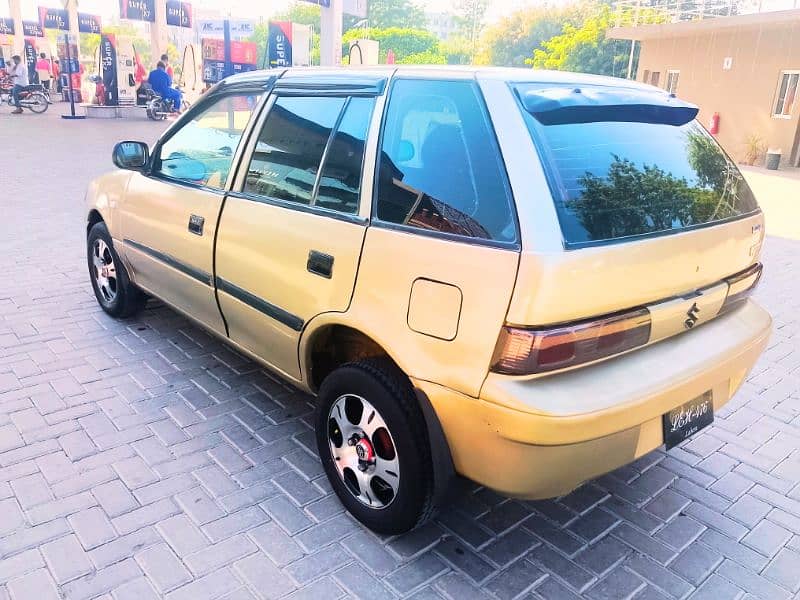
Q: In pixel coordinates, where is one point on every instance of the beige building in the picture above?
(745, 69)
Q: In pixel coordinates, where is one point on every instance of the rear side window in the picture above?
(340, 182)
(612, 180)
(290, 147)
(440, 168)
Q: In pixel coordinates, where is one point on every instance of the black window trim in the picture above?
(312, 207)
(554, 189)
(304, 208)
(515, 245)
(210, 99)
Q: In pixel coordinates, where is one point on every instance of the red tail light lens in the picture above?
(528, 351)
(740, 286)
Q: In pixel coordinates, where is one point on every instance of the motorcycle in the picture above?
(158, 108)
(32, 97)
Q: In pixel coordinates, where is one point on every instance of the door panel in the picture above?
(266, 290)
(168, 259)
(169, 218)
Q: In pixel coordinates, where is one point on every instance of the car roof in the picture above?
(515, 75)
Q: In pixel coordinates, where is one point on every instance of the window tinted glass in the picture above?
(340, 183)
(440, 167)
(202, 150)
(289, 149)
(613, 180)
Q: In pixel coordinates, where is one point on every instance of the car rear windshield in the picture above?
(631, 170)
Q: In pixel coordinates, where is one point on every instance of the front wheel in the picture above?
(37, 102)
(113, 289)
(373, 442)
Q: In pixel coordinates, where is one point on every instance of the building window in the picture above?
(787, 91)
(654, 77)
(672, 81)
(646, 78)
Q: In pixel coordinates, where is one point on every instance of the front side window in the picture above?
(201, 152)
(440, 167)
(787, 92)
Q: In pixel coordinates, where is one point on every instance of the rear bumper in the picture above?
(543, 437)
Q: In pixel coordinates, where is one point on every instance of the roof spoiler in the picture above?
(565, 105)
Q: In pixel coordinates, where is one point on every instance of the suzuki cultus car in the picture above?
(523, 277)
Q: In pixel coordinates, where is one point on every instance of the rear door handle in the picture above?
(320, 264)
(196, 224)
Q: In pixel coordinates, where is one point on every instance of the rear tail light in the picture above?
(740, 286)
(528, 351)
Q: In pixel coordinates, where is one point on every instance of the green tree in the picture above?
(456, 50)
(383, 14)
(304, 13)
(429, 57)
(470, 20)
(403, 42)
(584, 47)
(513, 39)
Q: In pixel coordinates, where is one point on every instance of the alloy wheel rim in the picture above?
(363, 451)
(105, 271)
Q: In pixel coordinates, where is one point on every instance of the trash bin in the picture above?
(773, 159)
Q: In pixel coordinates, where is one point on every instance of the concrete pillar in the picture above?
(72, 9)
(331, 35)
(15, 6)
(158, 33)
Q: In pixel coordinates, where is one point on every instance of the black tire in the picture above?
(389, 391)
(38, 103)
(127, 299)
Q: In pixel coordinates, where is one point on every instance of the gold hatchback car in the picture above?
(524, 277)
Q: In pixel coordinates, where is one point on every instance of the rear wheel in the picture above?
(156, 110)
(373, 443)
(37, 102)
(113, 289)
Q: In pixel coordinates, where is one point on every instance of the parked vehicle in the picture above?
(523, 277)
(33, 97)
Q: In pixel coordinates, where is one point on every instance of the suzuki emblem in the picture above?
(691, 315)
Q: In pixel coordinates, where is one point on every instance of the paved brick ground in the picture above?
(142, 458)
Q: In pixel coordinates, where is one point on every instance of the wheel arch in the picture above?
(331, 344)
(93, 218)
(325, 334)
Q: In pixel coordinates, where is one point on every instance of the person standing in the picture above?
(57, 75)
(19, 74)
(45, 71)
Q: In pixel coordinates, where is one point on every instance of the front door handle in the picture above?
(320, 264)
(196, 224)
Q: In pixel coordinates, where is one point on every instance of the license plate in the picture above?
(687, 419)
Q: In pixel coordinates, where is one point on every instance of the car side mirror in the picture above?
(132, 156)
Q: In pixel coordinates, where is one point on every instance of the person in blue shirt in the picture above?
(161, 83)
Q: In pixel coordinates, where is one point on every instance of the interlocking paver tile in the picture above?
(37, 585)
(66, 558)
(193, 453)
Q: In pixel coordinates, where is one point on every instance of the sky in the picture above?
(244, 8)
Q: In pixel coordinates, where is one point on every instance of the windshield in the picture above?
(613, 180)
